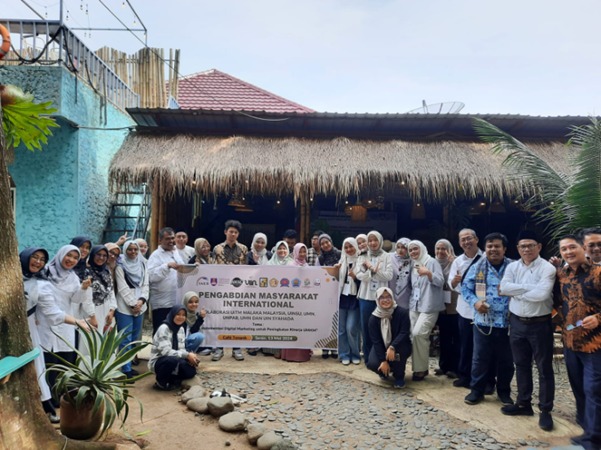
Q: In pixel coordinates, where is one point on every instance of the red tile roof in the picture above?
(217, 90)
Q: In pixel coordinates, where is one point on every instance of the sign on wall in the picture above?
(265, 306)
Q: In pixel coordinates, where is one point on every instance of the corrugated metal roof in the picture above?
(365, 126)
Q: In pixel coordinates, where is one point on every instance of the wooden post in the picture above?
(154, 216)
(305, 217)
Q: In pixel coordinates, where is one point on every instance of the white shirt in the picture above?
(461, 264)
(163, 279)
(530, 287)
(186, 253)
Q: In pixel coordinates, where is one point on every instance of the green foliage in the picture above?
(96, 374)
(24, 121)
(563, 202)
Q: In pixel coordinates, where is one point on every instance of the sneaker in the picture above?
(237, 355)
(439, 372)
(399, 384)
(473, 398)
(505, 399)
(54, 418)
(334, 355)
(461, 383)
(356, 361)
(132, 373)
(217, 354)
(163, 387)
(545, 421)
(517, 410)
(325, 354)
(419, 376)
(205, 352)
(345, 362)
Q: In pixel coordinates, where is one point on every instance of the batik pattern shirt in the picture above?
(580, 293)
(224, 254)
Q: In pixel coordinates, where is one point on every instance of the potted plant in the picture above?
(93, 390)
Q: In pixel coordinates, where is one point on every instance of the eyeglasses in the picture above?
(593, 245)
(101, 255)
(466, 239)
(570, 327)
(39, 259)
(114, 254)
(526, 246)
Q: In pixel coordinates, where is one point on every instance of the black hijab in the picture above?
(25, 256)
(102, 280)
(80, 268)
(173, 326)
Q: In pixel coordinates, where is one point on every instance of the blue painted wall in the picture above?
(62, 191)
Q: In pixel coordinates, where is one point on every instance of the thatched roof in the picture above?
(277, 166)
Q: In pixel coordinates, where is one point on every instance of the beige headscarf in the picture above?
(190, 315)
(385, 315)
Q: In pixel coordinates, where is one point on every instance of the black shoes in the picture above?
(489, 389)
(505, 399)
(517, 410)
(473, 398)
(545, 421)
(461, 383)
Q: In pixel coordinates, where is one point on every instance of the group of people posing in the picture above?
(389, 304)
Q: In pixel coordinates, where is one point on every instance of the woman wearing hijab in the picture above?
(389, 329)
(63, 298)
(33, 261)
(143, 247)
(362, 243)
(131, 281)
(401, 266)
(194, 320)
(202, 252)
(103, 292)
(114, 253)
(299, 253)
(169, 359)
(349, 324)
(84, 244)
(330, 256)
(447, 319)
(258, 254)
(281, 256)
(374, 270)
(425, 304)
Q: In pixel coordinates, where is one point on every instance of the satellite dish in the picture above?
(438, 108)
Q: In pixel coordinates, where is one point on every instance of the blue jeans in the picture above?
(366, 307)
(133, 325)
(349, 334)
(194, 341)
(584, 373)
(492, 351)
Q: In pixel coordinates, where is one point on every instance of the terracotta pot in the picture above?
(80, 423)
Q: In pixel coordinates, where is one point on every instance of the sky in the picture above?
(533, 57)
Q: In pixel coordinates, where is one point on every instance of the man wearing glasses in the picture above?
(529, 282)
(592, 242)
(578, 287)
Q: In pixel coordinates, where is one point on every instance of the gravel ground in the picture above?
(332, 411)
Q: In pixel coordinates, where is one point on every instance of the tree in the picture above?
(23, 423)
(563, 202)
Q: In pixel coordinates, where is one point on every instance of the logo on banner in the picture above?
(296, 282)
(317, 282)
(213, 281)
(263, 282)
(237, 282)
(202, 281)
(307, 282)
(284, 282)
(274, 282)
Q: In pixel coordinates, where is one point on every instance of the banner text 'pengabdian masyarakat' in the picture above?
(265, 306)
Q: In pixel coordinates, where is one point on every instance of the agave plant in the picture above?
(563, 202)
(96, 375)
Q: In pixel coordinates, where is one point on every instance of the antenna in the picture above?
(438, 108)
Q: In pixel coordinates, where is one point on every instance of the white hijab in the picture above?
(133, 267)
(423, 258)
(263, 259)
(56, 272)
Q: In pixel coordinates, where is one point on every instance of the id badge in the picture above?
(346, 290)
(416, 294)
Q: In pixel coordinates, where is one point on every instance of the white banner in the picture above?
(265, 306)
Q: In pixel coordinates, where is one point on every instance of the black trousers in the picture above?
(448, 327)
(397, 367)
(533, 341)
(172, 370)
(158, 317)
(466, 348)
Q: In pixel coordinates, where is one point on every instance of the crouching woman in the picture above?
(390, 332)
(169, 359)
